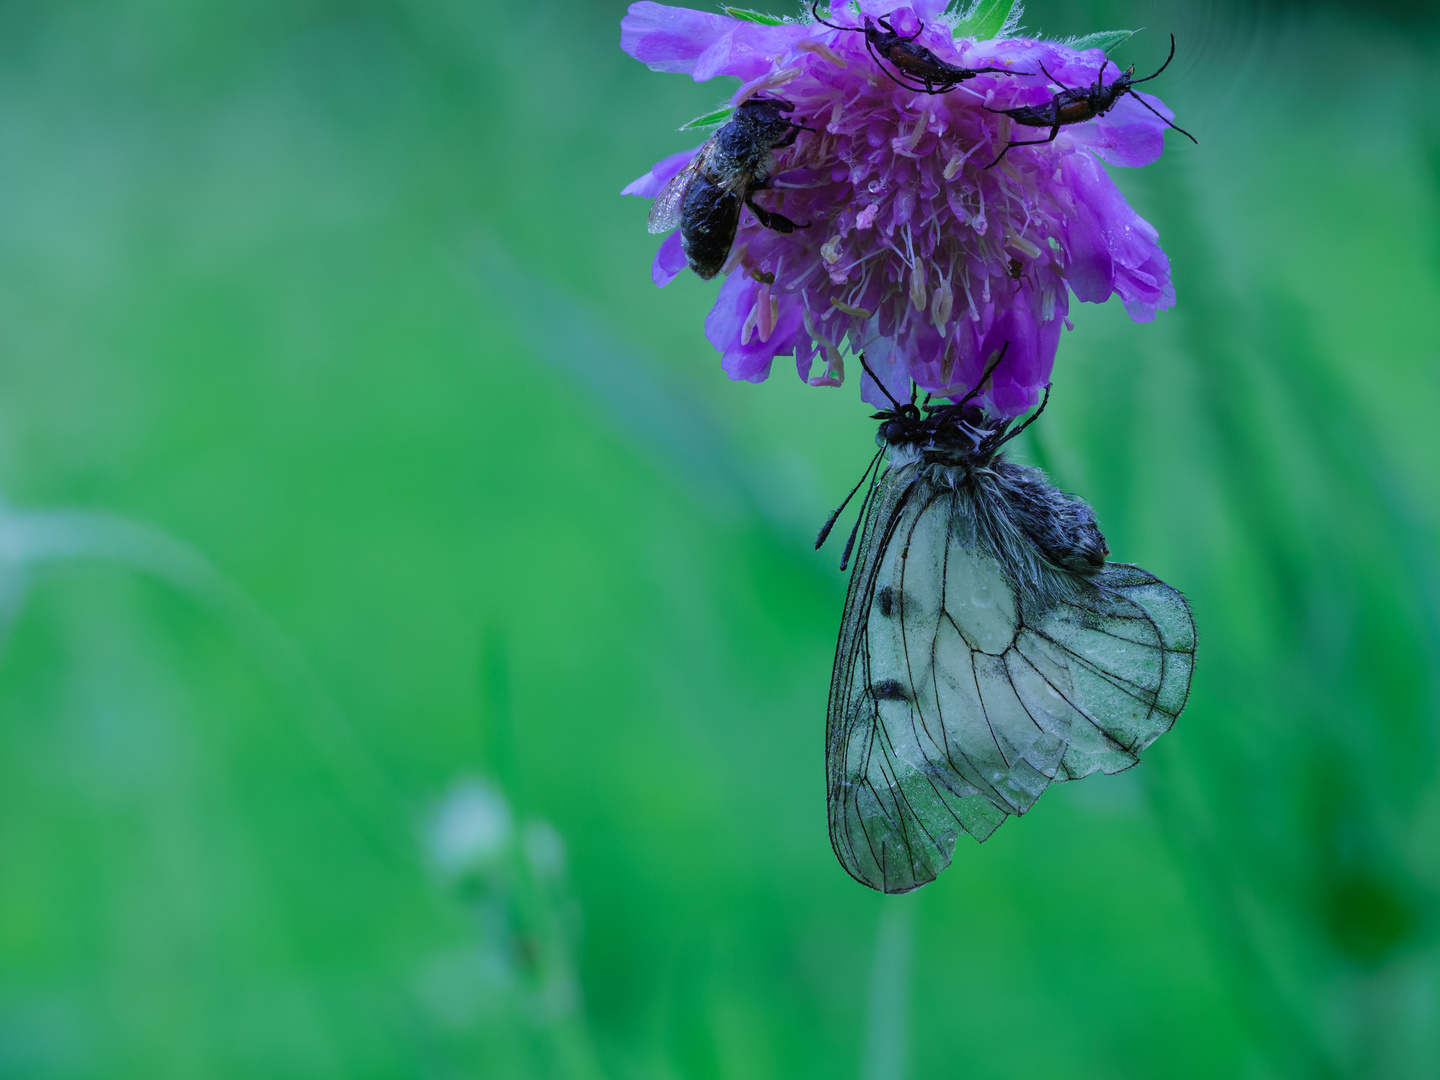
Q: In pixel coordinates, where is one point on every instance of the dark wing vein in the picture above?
(1061, 693)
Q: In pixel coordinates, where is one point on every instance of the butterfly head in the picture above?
(901, 425)
(947, 434)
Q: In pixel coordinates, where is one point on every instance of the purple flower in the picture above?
(915, 252)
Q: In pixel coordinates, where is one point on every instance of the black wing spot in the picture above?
(885, 598)
(889, 690)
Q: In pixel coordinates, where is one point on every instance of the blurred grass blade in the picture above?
(887, 1019)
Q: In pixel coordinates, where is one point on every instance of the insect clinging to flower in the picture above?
(987, 648)
(705, 198)
(918, 67)
(908, 241)
(1079, 105)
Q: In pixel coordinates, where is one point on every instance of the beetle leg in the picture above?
(1054, 131)
(881, 65)
(1057, 82)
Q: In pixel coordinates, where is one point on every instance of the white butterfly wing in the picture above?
(949, 711)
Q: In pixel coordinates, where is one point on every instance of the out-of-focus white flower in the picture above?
(470, 827)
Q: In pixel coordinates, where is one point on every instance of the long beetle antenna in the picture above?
(1147, 105)
(1168, 123)
(830, 524)
(1162, 67)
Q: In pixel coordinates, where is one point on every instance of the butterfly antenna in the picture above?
(859, 520)
(1028, 420)
(883, 389)
(985, 375)
(830, 524)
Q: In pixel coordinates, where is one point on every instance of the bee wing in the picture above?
(665, 211)
(950, 711)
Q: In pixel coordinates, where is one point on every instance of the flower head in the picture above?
(915, 251)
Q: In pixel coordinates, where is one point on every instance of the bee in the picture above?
(987, 648)
(705, 197)
(1077, 106)
(919, 68)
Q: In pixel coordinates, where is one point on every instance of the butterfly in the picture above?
(987, 649)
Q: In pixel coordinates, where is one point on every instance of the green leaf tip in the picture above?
(752, 16)
(986, 19)
(709, 119)
(1105, 40)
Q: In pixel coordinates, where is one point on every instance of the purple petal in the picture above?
(660, 174)
(669, 260)
(805, 352)
(746, 52)
(750, 361)
(669, 38)
(1130, 135)
(1088, 234)
(1090, 269)
(1147, 288)
(1016, 384)
(701, 44)
(924, 10)
(899, 195)
(885, 361)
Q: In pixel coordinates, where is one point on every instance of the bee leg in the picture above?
(790, 137)
(771, 220)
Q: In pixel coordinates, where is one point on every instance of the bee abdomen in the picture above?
(709, 217)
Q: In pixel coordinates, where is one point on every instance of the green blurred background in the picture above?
(415, 659)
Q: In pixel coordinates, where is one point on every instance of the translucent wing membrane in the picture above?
(955, 703)
(665, 211)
